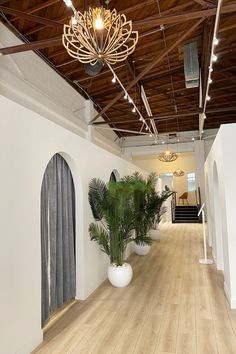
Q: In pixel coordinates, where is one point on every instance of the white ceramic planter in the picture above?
(120, 276)
(155, 234)
(142, 250)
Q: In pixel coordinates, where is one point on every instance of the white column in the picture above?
(200, 160)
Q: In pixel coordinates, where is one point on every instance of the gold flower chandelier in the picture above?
(178, 173)
(168, 156)
(99, 35)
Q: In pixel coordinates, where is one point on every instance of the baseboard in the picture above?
(232, 301)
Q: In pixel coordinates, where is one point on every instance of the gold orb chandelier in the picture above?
(178, 173)
(168, 156)
(99, 35)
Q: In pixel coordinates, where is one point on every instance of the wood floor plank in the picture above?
(173, 305)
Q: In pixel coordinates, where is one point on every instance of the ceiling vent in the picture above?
(191, 65)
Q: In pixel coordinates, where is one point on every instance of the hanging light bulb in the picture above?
(216, 41)
(98, 22)
(214, 58)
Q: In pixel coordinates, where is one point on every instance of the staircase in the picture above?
(186, 214)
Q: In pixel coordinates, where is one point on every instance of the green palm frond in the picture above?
(151, 182)
(97, 197)
(144, 240)
(98, 234)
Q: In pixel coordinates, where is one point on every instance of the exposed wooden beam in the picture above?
(180, 18)
(125, 130)
(36, 8)
(44, 43)
(126, 11)
(155, 117)
(149, 67)
(32, 18)
(205, 4)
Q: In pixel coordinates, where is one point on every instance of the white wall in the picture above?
(221, 205)
(27, 143)
(26, 79)
(185, 161)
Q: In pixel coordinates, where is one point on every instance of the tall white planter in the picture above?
(120, 276)
(142, 250)
(155, 234)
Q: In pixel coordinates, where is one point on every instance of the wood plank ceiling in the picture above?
(160, 24)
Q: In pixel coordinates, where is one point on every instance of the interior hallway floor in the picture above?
(173, 305)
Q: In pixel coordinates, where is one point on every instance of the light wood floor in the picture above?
(173, 305)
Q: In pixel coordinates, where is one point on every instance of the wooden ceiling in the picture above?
(157, 62)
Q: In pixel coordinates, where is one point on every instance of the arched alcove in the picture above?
(115, 176)
(58, 236)
(209, 212)
(217, 219)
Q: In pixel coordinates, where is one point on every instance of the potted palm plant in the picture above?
(112, 209)
(142, 223)
(157, 210)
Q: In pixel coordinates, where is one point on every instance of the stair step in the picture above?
(185, 217)
(186, 221)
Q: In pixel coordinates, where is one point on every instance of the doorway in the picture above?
(57, 236)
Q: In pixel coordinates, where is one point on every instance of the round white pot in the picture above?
(155, 234)
(120, 276)
(142, 250)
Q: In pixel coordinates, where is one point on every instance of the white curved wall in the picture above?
(221, 205)
(28, 141)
